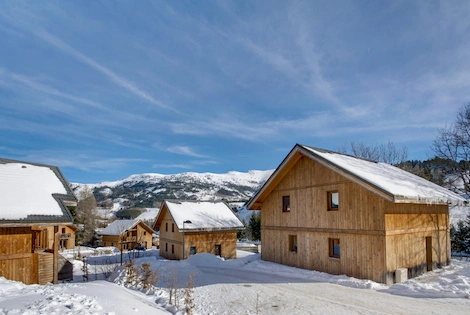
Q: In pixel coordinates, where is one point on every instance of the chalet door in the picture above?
(429, 253)
(218, 250)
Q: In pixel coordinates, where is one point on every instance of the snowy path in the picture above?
(252, 292)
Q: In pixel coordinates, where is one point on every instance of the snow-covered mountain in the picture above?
(148, 190)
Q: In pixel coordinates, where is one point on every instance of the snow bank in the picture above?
(450, 282)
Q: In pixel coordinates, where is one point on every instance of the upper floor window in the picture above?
(166, 227)
(172, 227)
(333, 201)
(285, 203)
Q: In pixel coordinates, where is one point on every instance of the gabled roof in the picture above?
(387, 181)
(118, 227)
(32, 193)
(203, 215)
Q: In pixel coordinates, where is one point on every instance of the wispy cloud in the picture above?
(119, 80)
(185, 150)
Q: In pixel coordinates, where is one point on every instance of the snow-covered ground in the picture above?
(246, 285)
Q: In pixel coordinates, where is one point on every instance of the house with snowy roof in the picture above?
(34, 201)
(127, 234)
(191, 227)
(339, 214)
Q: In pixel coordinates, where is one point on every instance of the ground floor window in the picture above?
(218, 250)
(172, 248)
(293, 243)
(334, 247)
(192, 250)
(166, 247)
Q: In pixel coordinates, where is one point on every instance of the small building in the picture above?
(127, 234)
(34, 201)
(339, 214)
(191, 227)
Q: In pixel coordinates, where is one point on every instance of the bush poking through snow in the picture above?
(147, 276)
(132, 273)
(188, 295)
(172, 285)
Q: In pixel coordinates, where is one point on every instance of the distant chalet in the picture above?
(339, 214)
(35, 221)
(127, 234)
(191, 227)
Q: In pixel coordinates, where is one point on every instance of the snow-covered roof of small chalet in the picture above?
(33, 193)
(203, 215)
(118, 227)
(390, 182)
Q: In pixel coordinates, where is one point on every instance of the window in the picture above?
(145, 232)
(333, 201)
(285, 203)
(192, 250)
(166, 247)
(63, 230)
(293, 243)
(334, 247)
(172, 227)
(218, 250)
(172, 248)
(166, 227)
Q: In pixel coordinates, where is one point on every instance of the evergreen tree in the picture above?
(255, 226)
(460, 236)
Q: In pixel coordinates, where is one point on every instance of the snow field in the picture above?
(246, 285)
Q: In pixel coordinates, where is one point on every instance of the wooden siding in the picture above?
(308, 184)
(45, 268)
(17, 262)
(376, 236)
(406, 237)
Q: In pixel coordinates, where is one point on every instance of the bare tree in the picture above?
(87, 215)
(387, 153)
(452, 145)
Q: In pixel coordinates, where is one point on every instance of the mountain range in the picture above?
(150, 189)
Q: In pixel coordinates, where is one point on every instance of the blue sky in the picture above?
(106, 89)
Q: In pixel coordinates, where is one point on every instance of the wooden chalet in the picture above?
(127, 234)
(339, 214)
(34, 221)
(191, 227)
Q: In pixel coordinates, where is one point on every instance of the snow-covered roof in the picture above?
(118, 227)
(390, 182)
(402, 185)
(33, 192)
(203, 215)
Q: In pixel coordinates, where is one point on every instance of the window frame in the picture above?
(286, 207)
(330, 195)
(293, 244)
(331, 248)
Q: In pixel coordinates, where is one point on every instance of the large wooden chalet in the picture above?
(191, 227)
(34, 221)
(339, 214)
